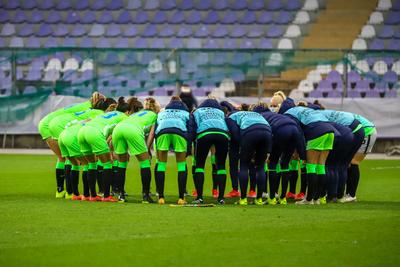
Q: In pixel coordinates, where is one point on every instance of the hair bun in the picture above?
(121, 100)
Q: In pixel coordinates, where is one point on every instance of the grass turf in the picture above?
(38, 230)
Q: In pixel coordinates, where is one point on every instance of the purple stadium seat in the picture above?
(256, 5)
(124, 18)
(113, 31)
(194, 17)
(293, 5)
(82, 4)
(77, 31)
(265, 17)
(377, 44)
(229, 18)
(166, 31)
(204, 5)
(45, 4)
(265, 44)
(63, 5)
(60, 31)
(28, 4)
(115, 5)
(353, 94)
(11, 5)
(229, 43)
(18, 17)
(8, 30)
(238, 31)
(352, 78)
(103, 43)
(334, 76)
(98, 5)
(149, 31)
(256, 32)
(390, 78)
(130, 31)
(34, 74)
(33, 42)
(316, 94)
(392, 18)
(238, 5)
(372, 78)
(72, 18)
(362, 85)
(274, 31)
(184, 31)
(86, 42)
(202, 31)
(105, 17)
(221, 4)
(53, 17)
(140, 43)
(111, 58)
(211, 18)
(249, 17)
(151, 4)
(240, 58)
(121, 43)
(129, 59)
(97, 30)
(69, 42)
(70, 75)
(168, 4)
(51, 42)
(141, 17)
(160, 17)
(386, 32)
(372, 93)
(88, 18)
(220, 31)
(177, 17)
(274, 5)
(4, 17)
(211, 44)
(283, 17)
(44, 30)
(247, 44)
(324, 85)
(176, 43)
(158, 43)
(26, 31)
(394, 44)
(390, 93)
(186, 4)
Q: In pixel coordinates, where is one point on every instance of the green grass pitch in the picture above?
(38, 230)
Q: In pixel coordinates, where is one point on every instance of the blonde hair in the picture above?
(277, 98)
(151, 104)
(211, 96)
(111, 107)
(96, 97)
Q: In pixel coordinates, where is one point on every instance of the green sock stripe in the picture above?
(68, 162)
(92, 166)
(85, 168)
(293, 165)
(221, 172)
(311, 168)
(60, 165)
(181, 166)
(199, 170)
(272, 170)
(302, 164)
(320, 169)
(107, 165)
(213, 159)
(266, 167)
(145, 164)
(75, 168)
(162, 166)
(194, 161)
(278, 167)
(284, 170)
(122, 164)
(115, 163)
(99, 163)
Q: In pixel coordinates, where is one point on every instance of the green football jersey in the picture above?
(107, 121)
(144, 119)
(369, 127)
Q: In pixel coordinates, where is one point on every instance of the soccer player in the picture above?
(287, 138)
(92, 138)
(174, 130)
(69, 146)
(366, 147)
(319, 136)
(44, 131)
(130, 135)
(210, 130)
(254, 135)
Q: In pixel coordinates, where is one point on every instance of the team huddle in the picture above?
(268, 147)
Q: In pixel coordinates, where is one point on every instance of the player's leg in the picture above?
(233, 169)
(203, 146)
(221, 152)
(285, 171)
(214, 173)
(253, 180)
(163, 144)
(261, 154)
(273, 174)
(179, 145)
(121, 150)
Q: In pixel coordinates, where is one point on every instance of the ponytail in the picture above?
(151, 104)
